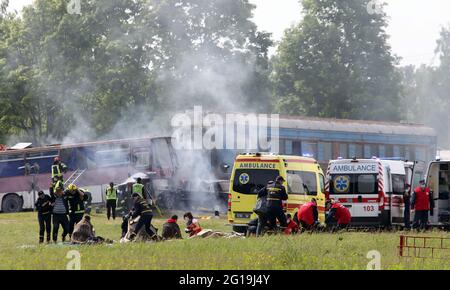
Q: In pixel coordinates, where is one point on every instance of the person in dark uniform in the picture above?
(44, 208)
(263, 217)
(76, 199)
(142, 209)
(276, 193)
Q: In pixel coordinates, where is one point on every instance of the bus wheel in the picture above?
(12, 203)
(240, 229)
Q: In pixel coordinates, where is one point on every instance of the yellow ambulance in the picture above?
(251, 172)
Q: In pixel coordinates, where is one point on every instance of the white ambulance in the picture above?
(437, 179)
(372, 189)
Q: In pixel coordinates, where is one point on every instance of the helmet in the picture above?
(57, 159)
(72, 187)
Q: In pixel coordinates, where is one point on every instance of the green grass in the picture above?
(20, 250)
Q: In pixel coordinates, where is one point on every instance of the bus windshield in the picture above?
(250, 181)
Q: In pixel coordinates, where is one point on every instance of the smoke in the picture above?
(215, 74)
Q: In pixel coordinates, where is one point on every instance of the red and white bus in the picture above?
(24, 172)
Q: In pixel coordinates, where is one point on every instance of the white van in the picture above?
(372, 189)
(437, 179)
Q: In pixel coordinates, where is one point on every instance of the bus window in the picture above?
(301, 182)
(141, 158)
(162, 156)
(108, 158)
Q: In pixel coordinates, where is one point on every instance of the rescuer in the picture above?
(111, 201)
(138, 188)
(60, 210)
(171, 230)
(308, 215)
(276, 193)
(192, 225)
(44, 208)
(58, 168)
(141, 209)
(339, 213)
(261, 210)
(76, 198)
(292, 226)
(422, 202)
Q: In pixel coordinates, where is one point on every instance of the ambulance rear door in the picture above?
(397, 179)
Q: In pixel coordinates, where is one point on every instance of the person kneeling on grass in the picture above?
(192, 225)
(171, 230)
(84, 233)
(292, 226)
(338, 212)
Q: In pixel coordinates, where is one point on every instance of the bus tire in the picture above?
(12, 203)
(240, 229)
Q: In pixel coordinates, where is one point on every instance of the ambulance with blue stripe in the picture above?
(251, 172)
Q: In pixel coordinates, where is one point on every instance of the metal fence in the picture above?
(424, 247)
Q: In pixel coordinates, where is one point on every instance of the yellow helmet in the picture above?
(72, 187)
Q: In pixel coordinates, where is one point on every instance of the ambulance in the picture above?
(251, 172)
(372, 189)
(437, 179)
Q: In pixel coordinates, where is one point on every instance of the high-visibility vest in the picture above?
(57, 185)
(139, 189)
(111, 193)
(56, 171)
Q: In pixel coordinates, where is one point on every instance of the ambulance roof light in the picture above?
(340, 158)
(438, 158)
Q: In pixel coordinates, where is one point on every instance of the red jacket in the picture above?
(306, 214)
(291, 227)
(421, 201)
(342, 214)
(194, 227)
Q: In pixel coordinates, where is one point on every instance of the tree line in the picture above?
(125, 62)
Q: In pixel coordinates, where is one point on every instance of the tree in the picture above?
(126, 62)
(427, 91)
(336, 63)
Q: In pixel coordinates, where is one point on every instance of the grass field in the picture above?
(20, 250)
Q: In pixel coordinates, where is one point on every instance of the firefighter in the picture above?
(422, 202)
(58, 168)
(308, 215)
(262, 213)
(339, 213)
(276, 193)
(76, 198)
(111, 201)
(171, 230)
(141, 209)
(138, 188)
(44, 208)
(192, 225)
(60, 210)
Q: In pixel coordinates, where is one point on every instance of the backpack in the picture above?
(261, 205)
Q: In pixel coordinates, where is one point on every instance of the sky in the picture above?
(414, 25)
